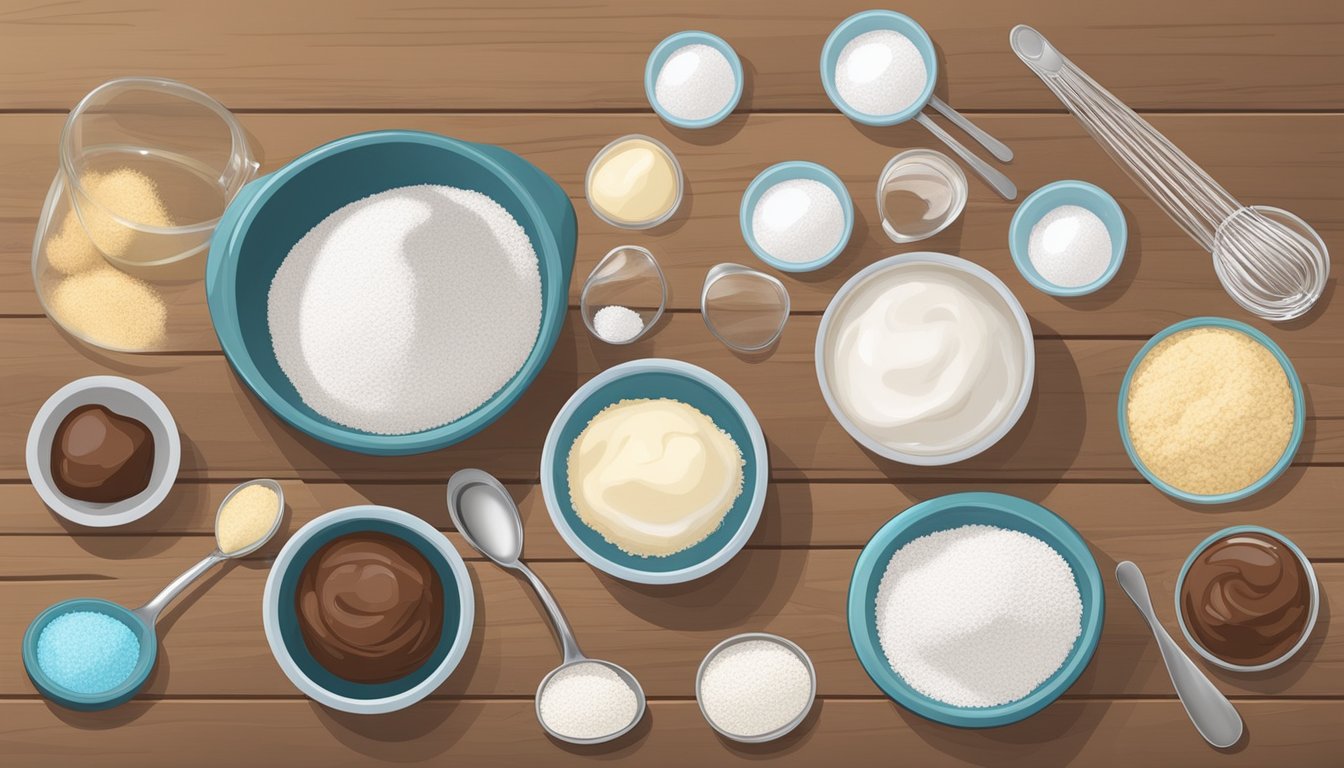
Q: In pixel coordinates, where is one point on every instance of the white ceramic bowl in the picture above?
(971, 270)
(123, 397)
(366, 518)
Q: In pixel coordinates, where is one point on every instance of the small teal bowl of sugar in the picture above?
(797, 216)
(88, 654)
(693, 79)
(1068, 238)
(943, 514)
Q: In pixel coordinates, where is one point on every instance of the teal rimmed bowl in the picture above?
(1045, 200)
(871, 21)
(90, 702)
(1299, 411)
(664, 50)
(1314, 588)
(656, 378)
(788, 171)
(279, 611)
(272, 213)
(954, 511)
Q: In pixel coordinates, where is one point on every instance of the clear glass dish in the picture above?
(743, 308)
(919, 194)
(627, 278)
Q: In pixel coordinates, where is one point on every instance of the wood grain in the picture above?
(214, 645)
(1115, 734)
(1166, 277)
(1068, 430)
(569, 55)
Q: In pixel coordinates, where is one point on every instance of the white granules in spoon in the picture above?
(616, 324)
(1070, 246)
(587, 701)
(754, 687)
(407, 309)
(977, 616)
(695, 83)
(798, 221)
(880, 73)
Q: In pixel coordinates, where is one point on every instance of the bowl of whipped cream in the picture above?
(925, 358)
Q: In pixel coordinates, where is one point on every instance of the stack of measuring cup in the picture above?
(147, 167)
(879, 68)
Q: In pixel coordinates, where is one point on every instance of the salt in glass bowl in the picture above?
(628, 276)
(770, 638)
(123, 397)
(1313, 587)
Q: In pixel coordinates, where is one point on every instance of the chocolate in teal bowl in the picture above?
(953, 511)
(280, 619)
(657, 378)
(1294, 439)
(272, 213)
(90, 702)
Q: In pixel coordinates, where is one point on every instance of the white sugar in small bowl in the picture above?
(793, 170)
(125, 398)
(784, 643)
(665, 51)
(1047, 199)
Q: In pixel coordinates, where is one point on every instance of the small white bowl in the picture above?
(769, 638)
(123, 397)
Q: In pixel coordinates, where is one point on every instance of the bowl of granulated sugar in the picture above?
(975, 609)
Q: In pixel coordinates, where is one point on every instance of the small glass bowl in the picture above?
(592, 167)
(1312, 612)
(769, 638)
(628, 277)
(931, 176)
(743, 308)
(187, 144)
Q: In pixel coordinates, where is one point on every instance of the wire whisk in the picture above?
(1269, 261)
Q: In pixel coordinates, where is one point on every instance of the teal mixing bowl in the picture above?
(655, 378)
(272, 213)
(954, 511)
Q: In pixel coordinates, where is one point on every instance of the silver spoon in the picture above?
(1213, 715)
(149, 612)
(486, 516)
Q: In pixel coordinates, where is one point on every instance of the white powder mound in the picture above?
(798, 221)
(407, 309)
(755, 687)
(616, 324)
(880, 73)
(696, 82)
(977, 616)
(587, 701)
(1070, 246)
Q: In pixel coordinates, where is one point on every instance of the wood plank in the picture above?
(1068, 430)
(214, 644)
(1121, 734)
(1166, 277)
(566, 55)
(1131, 515)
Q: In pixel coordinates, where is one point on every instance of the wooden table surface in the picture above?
(1253, 91)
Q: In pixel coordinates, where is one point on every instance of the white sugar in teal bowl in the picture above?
(693, 79)
(1068, 238)
(975, 610)
(797, 216)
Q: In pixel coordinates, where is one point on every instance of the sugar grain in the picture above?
(587, 701)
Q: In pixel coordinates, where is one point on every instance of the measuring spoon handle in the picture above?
(149, 612)
(568, 644)
(996, 180)
(996, 148)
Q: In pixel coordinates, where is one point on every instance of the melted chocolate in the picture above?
(101, 456)
(370, 607)
(1246, 599)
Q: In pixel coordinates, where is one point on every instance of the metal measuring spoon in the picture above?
(487, 517)
(1213, 715)
(149, 612)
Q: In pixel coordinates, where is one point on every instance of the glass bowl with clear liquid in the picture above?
(919, 194)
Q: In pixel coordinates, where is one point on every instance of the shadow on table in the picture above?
(1055, 736)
